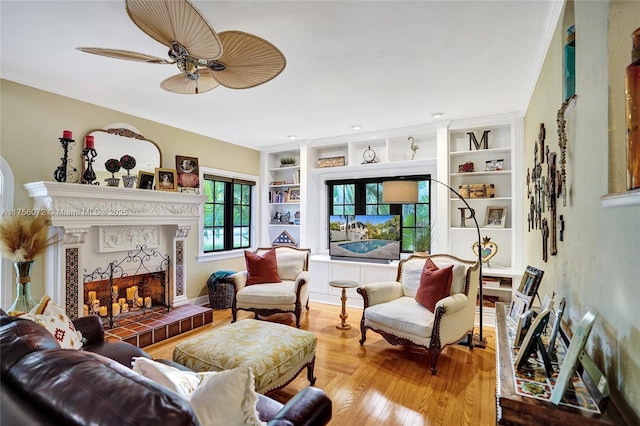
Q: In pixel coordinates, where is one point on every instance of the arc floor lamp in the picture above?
(406, 192)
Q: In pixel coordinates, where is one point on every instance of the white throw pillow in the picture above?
(184, 383)
(53, 317)
(218, 398)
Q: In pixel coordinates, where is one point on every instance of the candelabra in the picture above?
(65, 170)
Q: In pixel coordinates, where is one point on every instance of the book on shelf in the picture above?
(491, 282)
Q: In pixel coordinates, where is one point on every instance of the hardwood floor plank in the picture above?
(380, 384)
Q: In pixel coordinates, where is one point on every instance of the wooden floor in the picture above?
(381, 384)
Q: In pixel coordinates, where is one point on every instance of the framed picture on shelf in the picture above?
(572, 358)
(293, 195)
(530, 282)
(516, 309)
(532, 343)
(145, 179)
(496, 217)
(188, 172)
(521, 327)
(166, 180)
(494, 165)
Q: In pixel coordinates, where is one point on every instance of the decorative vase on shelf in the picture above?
(632, 95)
(112, 181)
(128, 180)
(24, 302)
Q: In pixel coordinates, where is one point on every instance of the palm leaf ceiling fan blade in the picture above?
(169, 21)
(249, 61)
(181, 84)
(124, 54)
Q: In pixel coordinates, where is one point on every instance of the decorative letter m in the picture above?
(484, 141)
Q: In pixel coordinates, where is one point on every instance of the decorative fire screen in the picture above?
(130, 288)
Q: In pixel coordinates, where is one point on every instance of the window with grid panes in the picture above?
(227, 213)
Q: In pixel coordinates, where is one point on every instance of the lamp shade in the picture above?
(400, 191)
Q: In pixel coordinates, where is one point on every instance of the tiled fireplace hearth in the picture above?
(96, 225)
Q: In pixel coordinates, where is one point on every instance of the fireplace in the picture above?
(133, 287)
(98, 225)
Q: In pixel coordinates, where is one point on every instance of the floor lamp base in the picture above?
(478, 342)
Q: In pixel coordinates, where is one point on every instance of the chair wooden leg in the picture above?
(234, 313)
(363, 333)
(434, 361)
(310, 376)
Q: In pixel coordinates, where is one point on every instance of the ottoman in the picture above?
(276, 352)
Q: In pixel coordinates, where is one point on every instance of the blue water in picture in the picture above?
(363, 246)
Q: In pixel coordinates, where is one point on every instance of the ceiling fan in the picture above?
(206, 59)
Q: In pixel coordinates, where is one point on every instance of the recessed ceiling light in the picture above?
(356, 126)
(292, 137)
(437, 114)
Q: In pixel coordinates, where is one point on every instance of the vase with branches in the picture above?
(22, 239)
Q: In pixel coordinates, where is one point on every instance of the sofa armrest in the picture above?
(453, 303)
(380, 292)
(309, 407)
(91, 328)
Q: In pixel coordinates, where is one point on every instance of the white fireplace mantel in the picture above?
(120, 214)
(76, 205)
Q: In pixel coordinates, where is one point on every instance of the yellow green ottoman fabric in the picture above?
(275, 352)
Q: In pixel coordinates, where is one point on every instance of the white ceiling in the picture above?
(381, 64)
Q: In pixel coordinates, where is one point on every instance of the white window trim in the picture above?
(210, 257)
(6, 267)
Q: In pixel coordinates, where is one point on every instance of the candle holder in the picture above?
(89, 175)
(65, 172)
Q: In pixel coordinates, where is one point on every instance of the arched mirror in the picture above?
(119, 140)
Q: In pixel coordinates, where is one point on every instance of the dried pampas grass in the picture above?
(22, 238)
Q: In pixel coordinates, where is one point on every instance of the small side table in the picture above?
(344, 285)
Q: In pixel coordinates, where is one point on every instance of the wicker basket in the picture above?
(221, 296)
(220, 290)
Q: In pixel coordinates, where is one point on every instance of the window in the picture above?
(227, 213)
(364, 196)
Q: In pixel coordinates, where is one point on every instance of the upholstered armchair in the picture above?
(391, 308)
(268, 298)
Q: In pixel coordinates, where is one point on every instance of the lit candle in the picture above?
(135, 292)
(139, 301)
(95, 307)
(66, 134)
(125, 307)
(85, 310)
(92, 296)
(114, 291)
(130, 293)
(115, 309)
(122, 301)
(103, 311)
(88, 142)
(147, 302)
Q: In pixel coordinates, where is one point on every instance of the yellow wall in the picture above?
(33, 120)
(596, 268)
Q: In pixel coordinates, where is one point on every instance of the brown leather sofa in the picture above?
(42, 384)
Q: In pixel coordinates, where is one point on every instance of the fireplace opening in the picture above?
(133, 287)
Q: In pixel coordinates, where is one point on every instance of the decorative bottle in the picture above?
(569, 64)
(632, 95)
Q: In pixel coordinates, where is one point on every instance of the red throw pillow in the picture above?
(435, 284)
(262, 269)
